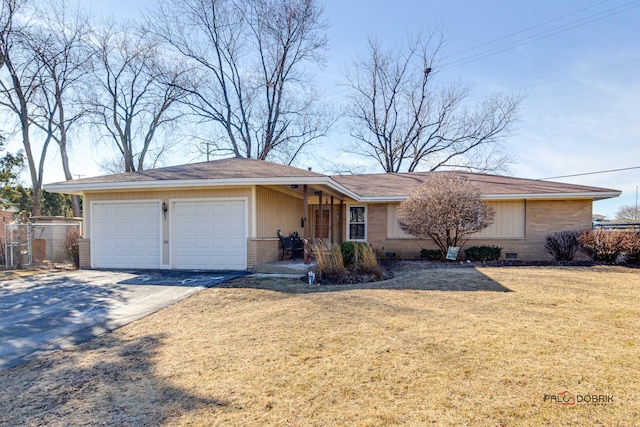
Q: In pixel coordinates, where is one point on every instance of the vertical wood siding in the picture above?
(277, 211)
(509, 222)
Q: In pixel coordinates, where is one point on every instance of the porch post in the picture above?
(342, 221)
(320, 225)
(331, 222)
(305, 195)
(305, 230)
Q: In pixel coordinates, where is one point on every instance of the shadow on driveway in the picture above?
(52, 311)
(205, 279)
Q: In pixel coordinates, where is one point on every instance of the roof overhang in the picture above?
(523, 196)
(596, 195)
(70, 187)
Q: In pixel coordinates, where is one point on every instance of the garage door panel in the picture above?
(236, 212)
(126, 235)
(139, 244)
(200, 245)
(209, 234)
(236, 244)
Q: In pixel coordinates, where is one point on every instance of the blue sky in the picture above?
(579, 66)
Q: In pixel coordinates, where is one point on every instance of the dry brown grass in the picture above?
(419, 349)
(17, 274)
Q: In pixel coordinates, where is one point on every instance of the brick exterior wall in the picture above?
(542, 218)
(260, 251)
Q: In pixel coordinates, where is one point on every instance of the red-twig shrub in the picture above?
(603, 245)
(632, 247)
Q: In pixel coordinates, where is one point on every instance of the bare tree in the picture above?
(628, 213)
(58, 44)
(250, 83)
(446, 208)
(137, 89)
(403, 122)
(19, 87)
(344, 168)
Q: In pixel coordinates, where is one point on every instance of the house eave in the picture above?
(81, 188)
(595, 195)
(522, 196)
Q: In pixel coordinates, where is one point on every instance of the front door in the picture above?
(322, 227)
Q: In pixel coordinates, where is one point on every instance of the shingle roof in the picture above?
(401, 184)
(382, 186)
(233, 168)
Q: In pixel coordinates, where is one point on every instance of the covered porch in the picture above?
(313, 212)
(322, 215)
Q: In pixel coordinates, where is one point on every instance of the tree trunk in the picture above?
(75, 203)
(36, 183)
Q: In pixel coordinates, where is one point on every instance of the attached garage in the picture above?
(209, 234)
(126, 234)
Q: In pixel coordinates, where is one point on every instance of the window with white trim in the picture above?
(357, 226)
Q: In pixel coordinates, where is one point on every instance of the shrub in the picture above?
(348, 250)
(632, 247)
(447, 208)
(563, 244)
(431, 254)
(603, 245)
(366, 261)
(483, 253)
(358, 256)
(349, 262)
(71, 246)
(328, 260)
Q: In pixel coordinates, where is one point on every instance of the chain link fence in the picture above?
(18, 248)
(28, 245)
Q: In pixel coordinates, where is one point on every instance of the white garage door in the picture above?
(126, 235)
(210, 235)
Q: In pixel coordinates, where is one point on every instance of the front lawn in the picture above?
(450, 346)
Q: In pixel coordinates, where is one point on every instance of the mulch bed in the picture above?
(390, 266)
(421, 264)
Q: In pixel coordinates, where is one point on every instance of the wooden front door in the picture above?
(322, 227)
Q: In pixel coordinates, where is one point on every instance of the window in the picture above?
(357, 229)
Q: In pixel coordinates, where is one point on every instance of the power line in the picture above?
(339, 94)
(592, 173)
(569, 76)
(543, 34)
(593, 70)
(524, 30)
(547, 33)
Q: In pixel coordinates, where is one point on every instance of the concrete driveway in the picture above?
(52, 311)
